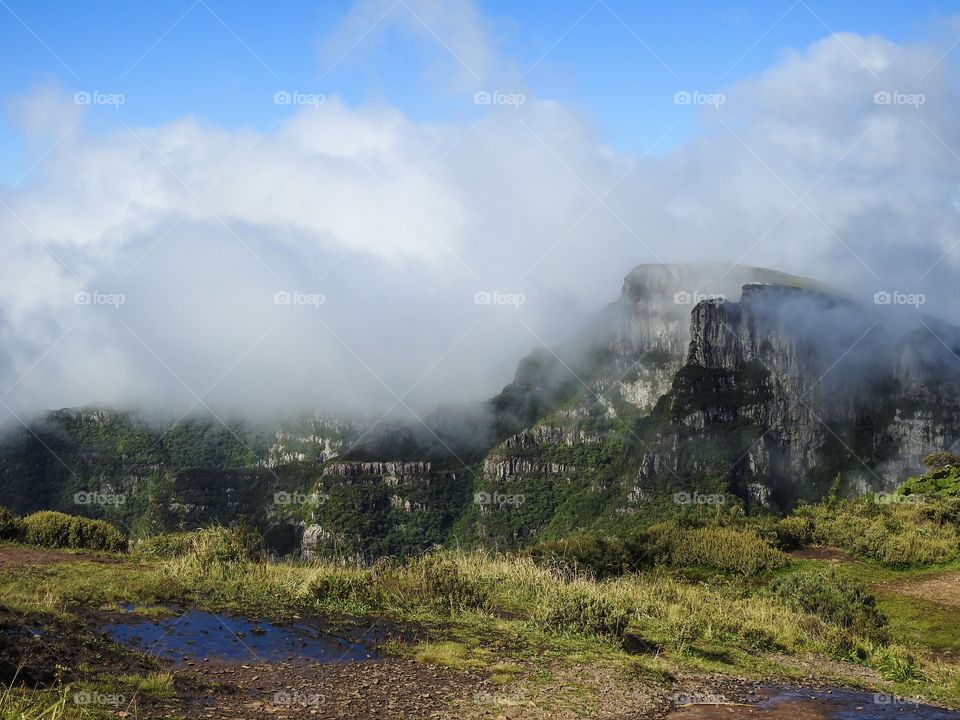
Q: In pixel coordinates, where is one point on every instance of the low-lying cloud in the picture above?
(353, 257)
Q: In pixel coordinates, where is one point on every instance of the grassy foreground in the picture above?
(525, 620)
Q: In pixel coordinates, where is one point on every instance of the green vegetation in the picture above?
(726, 549)
(674, 591)
(835, 598)
(898, 534)
(11, 527)
(58, 530)
(941, 480)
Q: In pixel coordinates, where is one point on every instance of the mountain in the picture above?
(700, 384)
(760, 395)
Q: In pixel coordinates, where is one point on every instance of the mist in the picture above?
(353, 259)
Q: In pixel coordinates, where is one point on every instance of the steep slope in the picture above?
(788, 393)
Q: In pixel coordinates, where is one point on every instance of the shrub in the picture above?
(722, 548)
(223, 545)
(96, 535)
(341, 585)
(58, 530)
(438, 579)
(601, 557)
(941, 459)
(47, 529)
(898, 534)
(918, 546)
(585, 612)
(166, 545)
(835, 598)
(11, 527)
(793, 532)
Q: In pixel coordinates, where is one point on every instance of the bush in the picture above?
(223, 545)
(11, 527)
(582, 611)
(837, 599)
(601, 557)
(341, 585)
(722, 548)
(793, 532)
(941, 459)
(59, 530)
(899, 534)
(166, 545)
(439, 580)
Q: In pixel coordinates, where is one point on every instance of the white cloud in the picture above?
(398, 223)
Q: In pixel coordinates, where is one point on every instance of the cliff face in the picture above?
(766, 391)
(799, 386)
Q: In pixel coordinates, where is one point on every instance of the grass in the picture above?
(915, 622)
(711, 625)
(17, 704)
(706, 600)
(156, 684)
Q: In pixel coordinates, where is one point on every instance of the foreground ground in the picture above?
(469, 663)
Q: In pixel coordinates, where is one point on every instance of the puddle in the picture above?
(195, 635)
(788, 704)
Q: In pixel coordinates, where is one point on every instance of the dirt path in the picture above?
(941, 589)
(16, 555)
(387, 688)
(824, 554)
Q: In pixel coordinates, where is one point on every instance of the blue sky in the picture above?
(619, 62)
(406, 182)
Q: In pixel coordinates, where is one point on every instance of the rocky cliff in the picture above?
(700, 383)
(763, 393)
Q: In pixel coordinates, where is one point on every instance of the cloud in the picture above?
(377, 230)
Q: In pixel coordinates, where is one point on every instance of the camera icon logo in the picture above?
(882, 97)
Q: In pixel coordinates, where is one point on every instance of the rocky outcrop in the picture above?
(502, 469)
(391, 473)
(800, 386)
